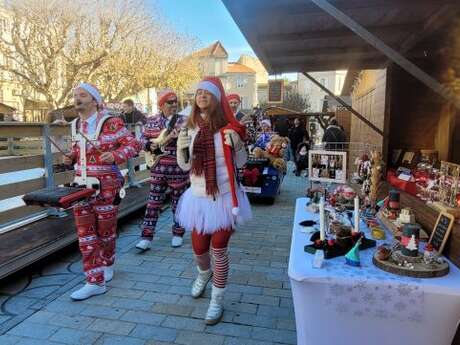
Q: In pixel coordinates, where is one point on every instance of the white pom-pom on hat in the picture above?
(235, 211)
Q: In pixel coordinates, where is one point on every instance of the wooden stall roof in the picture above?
(298, 36)
(278, 111)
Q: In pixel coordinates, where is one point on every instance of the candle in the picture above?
(322, 235)
(356, 214)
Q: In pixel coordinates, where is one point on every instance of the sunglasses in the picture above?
(171, 102)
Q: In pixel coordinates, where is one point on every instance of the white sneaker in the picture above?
(87, 291)
(176, 241)
(108, 273)
(144, 245)
(199, 285)
(216, 308)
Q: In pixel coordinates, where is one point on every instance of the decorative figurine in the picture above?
(377, 165)
(429, 255)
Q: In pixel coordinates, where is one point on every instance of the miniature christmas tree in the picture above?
(412, 245)
(352, 257)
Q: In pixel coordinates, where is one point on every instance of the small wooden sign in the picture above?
(275, 91)
(441, 231)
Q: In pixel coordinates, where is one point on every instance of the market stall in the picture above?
(343, 304)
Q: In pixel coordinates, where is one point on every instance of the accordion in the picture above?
(62, 197)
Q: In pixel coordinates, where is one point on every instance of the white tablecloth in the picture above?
(344, 305)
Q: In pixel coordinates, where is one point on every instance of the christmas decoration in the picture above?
(352, 257)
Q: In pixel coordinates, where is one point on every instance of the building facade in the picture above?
(242, 77)
(333, 80)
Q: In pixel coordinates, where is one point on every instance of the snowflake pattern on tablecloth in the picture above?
(367, 291)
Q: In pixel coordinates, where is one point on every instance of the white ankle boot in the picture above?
(199, 285)
(108, 273)
(144, 245)
(216, 306)
(87, 291)
(176, 241)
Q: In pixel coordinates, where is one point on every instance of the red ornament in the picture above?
(318, 242)
(331, 243)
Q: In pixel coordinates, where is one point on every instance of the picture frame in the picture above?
(327, 166)
(408, 158)
(441, 231)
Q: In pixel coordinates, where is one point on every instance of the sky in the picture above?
(208, 21)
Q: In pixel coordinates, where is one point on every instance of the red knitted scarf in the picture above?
(204, 158)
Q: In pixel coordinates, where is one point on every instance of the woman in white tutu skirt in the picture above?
(214, 203)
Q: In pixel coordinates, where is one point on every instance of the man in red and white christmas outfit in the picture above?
(100, 142)
(166, 172)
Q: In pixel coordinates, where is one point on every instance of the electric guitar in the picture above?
(158, 144)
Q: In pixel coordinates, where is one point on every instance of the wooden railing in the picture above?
(26, 146)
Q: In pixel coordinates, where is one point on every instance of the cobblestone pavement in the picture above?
(148, 301)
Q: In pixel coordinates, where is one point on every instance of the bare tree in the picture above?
(51, 45)
(294, 101)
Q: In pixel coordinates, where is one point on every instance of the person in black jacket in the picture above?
(334, 136)
(301, 156)
(130, 114)
(281, 126)
(297, 135)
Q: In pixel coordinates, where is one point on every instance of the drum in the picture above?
(62, 197)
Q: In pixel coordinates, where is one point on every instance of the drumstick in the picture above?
(91, 142)
(57, 147)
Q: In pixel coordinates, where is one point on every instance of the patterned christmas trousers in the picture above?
(166, 173)
(96, 222)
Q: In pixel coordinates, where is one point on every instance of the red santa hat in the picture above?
(165, 95)
(233, 96)
(214, 86)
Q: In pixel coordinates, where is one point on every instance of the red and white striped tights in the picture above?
(216, 243)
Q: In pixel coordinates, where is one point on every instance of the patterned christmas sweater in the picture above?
(113, 137)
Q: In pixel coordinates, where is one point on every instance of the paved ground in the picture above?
(148, 301)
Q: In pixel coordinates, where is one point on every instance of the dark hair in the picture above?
(129, 102)
(216, 116)
(333, 122)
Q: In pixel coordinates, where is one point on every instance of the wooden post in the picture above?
(10, 142)
(446, 92)
(48, 157)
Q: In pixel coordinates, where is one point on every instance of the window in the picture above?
(323, 82)
(240, 83)
(243, 102)
(16, 92)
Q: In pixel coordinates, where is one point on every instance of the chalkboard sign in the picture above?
(275, 91)
(441, 231)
